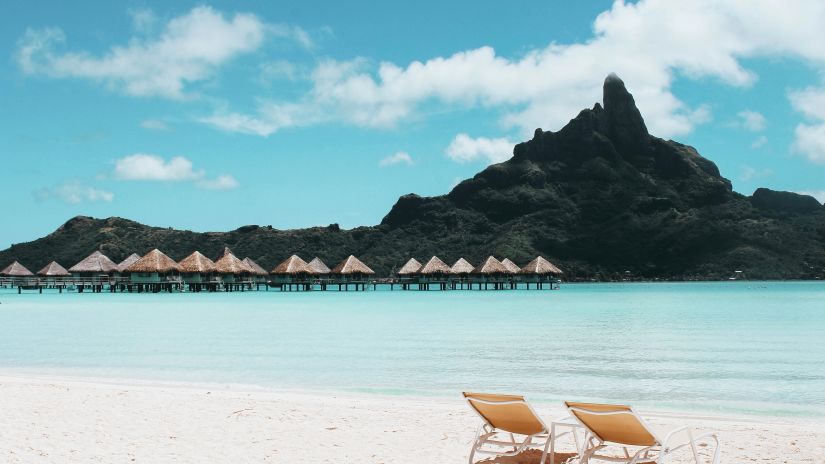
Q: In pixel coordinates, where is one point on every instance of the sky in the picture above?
(210, 116)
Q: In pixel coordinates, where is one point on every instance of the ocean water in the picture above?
(746, 348)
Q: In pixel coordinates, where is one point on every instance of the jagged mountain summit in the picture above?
(601, 197)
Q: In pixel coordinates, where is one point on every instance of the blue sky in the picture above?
(209, 116)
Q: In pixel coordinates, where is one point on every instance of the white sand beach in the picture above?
(64, 420)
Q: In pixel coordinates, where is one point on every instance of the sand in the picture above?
(65, 420)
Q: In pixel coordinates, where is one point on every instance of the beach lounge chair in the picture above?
(619, 425)
(504, 417)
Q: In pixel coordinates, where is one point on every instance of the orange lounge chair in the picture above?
(611, 424)
(506, 417)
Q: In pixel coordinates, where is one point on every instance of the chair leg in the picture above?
(544, 453)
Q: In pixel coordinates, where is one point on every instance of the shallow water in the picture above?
(740, 347)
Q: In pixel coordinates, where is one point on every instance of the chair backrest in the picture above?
(613, 423)
(510, 413)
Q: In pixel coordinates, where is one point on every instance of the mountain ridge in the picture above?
(601, 197)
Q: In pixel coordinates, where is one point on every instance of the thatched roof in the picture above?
(435, 266)
(154, 261)
(53, 270)
(512, 267)
(196, 263)
(462, 266)
(256, 269)
(131, 259)
(318, 267)
(97, 263)
(230, 264)
(410, 267)
(292, 265)
(352, 265)
(491, 266)
(540, 266)
(16, 269)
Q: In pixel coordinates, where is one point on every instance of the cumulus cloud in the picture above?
(190, 48)
(810, 141)
(759, 142)
(154, 124)
(141, 166)
(74, 192)
(545, 86)
(397, 158)
(753, 121)
(224, 182)
(148, 167)
(752, 173)
(464, 149)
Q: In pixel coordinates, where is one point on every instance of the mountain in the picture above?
(601, 197)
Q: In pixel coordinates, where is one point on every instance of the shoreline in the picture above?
(48, 419)
(10, 376)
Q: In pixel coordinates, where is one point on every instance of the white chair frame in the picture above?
(662, 449)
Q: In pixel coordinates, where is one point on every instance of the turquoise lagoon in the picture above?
(745, 348)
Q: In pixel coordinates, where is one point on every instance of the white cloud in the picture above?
(154, 124)
(546, 86)
(818, 194)
(753, 121)
(810, 141)
(397, 158)
(141, 166)
(464, 149)
(147, 167)
(189, 49)
(74, 192)
(759, 142)
(752, 173)
(224, 182)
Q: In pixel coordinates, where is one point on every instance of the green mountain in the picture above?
(601, 198)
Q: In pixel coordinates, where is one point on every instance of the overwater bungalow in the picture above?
(196, 271)
(234, 273)
(408, 272)
(435, 271)
(540, 271)
(15, 274)
(461, 271)
(53, 274)
(94, 270)
(352, 271)
(154, 271)
(292, 271)
(318, 267)
(511, 267)
(259, 274)
(491, 271)
(131, 259)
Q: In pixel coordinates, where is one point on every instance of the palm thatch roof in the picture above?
(97, 263)
(131, 259)
(256, 269)
(16, 269)
(154, 261)
(540, 266)
(435, 266)
(491, 266)
(318, 266)
(410, 267)
(196, 263)
(230, 264)
(462, 266)
(292, 265)
(512, 267)
(53, 270)
(352, 265)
